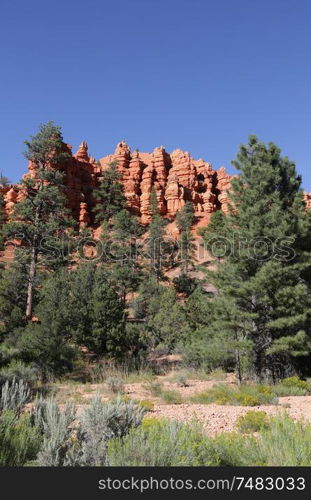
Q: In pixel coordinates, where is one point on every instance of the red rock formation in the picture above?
(131, 181)
(176, 178)
(84, 218)
(10, 199)
(223, 185)
(307, 200)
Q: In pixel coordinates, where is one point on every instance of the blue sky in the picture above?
(196, 74)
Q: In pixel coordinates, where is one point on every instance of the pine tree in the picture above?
(125, 267)
(13, 298)
(265, 274)
(110, 195)
(108, 318)
(79, 302)
(186, 254)
(2, 221)
(41, 220)
(47, 342)
(214, 235)
(167, 325)
(97, 314)
(158, 248)
(4, 181)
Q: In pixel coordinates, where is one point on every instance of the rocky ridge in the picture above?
(175, 177)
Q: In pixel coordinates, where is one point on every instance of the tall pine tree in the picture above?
(184, 221)
(41, 220)
(265, 275)
(110, 196)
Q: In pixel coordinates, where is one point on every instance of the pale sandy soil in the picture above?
(219, 418)
(213, 418)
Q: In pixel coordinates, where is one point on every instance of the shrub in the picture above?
(18, 370)
(154, 388)
(99, 423)
(181, 381)
(252, 421)
(185, 284)
(292, 386)
(295, 382)
(56, 426)
(171, 397)
(97, 373)
(162, 443)
(147, 404)
(281, 390)
(247, 395)
(217, 374)
(115, 385)
(14, 395)
(283, 443)
(232, 449)
(19, 441)
(201, 351)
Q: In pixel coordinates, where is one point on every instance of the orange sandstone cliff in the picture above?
(176, 178)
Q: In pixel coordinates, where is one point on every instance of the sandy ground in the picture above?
(213, 418)
(219, 418)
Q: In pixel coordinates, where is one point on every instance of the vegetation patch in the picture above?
(252, 421)
(245, 395)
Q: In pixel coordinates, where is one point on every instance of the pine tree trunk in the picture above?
(33, 265)
(31, 281)
(238, 364)
(257, 364)
(257, 358)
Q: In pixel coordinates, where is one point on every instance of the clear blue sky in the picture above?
(196, 74)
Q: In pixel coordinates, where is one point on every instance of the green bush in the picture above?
(281, 390)
(162, 443)
(171, 397)
(147, 404)
(14, 395)
(18, 370)
(295, 382)
(232, 449)
(166, 443)
(291, 386)
(181, 381)
(56, 426)
(115, 385)
(99, 423)
(19, 441)
(252, 421)
(154, 388)
(246, 395)
(201, 351)
(283, 443)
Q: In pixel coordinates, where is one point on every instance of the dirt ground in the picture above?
(213, 417)
(219, 418)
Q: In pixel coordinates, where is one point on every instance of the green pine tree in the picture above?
(108, 318)
(214, 235)
(2, 221)
(97, 314)
(184, 221)
(47, 342)
(110, 196)
(125, 259)
(265, 276)
(41, 220)
(4, 181)
(159, 250)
